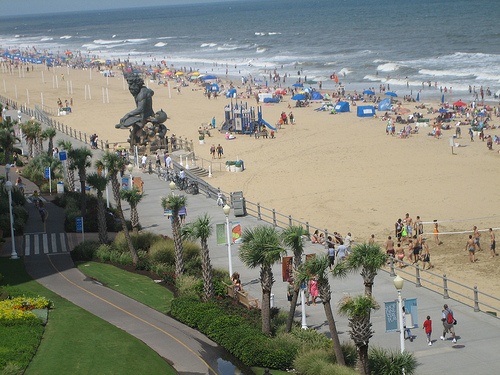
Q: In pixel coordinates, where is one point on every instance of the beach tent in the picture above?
(299, 97)
(342, 107)
(366, 111)
(231, 93)
(368, 92)
(385, 105)
(316, 96)
(391, 93)
(460, 104)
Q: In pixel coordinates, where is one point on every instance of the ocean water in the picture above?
(400, 43)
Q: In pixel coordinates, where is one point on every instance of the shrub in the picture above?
(319, 362)
(85, 251)
(189, 286)
(191, 250)
(162, 251)
(390, 362)
(234, 332)
(103, 253)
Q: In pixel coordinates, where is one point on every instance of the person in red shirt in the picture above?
(428, 329)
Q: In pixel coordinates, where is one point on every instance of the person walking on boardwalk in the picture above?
(427, 326)
(448, 323)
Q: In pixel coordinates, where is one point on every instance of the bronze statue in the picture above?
(145, 125)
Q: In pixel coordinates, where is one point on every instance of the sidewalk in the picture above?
(477, 332)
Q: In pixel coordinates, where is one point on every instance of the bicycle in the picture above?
(192, 188)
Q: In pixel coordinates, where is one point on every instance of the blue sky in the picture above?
(19, 8)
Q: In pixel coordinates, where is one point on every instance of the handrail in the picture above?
(470, 296)
(462, 293)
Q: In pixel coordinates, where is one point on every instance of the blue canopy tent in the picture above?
(231, 93)
(299, 97)
(316, 96)
(385, 105)
(366, 111)
(213, 87)
(368, 92)
(342, 107)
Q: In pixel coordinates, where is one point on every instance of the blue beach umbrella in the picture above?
(299, 97)
(368, 92)
(442, 110)
(298, 85)
(391, 93)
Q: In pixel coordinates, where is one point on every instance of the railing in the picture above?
(437, 283)
(448, 288)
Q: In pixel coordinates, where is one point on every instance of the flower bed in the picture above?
(20, 309)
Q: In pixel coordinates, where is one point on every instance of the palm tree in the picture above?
(115, 164)
(293, 238)
(261, 246)
(370, 259)
(175, 203)
(7, 140)
(357, 309)
(202, 229)
(70, 175)
(133, 197)
(49, 134)
(318, 266)
(31, 131)
(80, 159)
(99, 183)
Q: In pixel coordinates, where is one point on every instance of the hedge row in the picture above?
(234, 333)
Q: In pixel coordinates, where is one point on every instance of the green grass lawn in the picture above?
(137, 287)
(75, 341)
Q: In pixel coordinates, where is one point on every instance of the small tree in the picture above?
(318, 266)
(70, 173)
(133, 197)
(99, 183)
(80, 159)
(293, 238)
(175, 203)
(115, 164)
(49, 134)
(202, 229)
(370, 259)
(261, 247)
(357, 309)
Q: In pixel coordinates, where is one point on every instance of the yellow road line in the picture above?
(132, 315)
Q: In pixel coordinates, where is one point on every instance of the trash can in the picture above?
(60, 187)
(238, 203)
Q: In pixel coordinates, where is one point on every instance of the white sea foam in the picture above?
(261, 50)
(388, 67)
(66, 37)
(204, 45)
(160, 44)
(46, 38)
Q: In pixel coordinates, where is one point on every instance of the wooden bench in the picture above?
(242, 297)
(262, 134)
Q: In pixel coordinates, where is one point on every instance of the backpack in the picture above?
(449, 318)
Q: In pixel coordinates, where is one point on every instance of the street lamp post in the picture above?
(13, 255)
(172, 186)
(226, 210)
(130, 168)
(398, 284)
(303, 306)
(7, 172)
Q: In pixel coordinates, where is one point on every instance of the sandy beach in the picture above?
(338, 172)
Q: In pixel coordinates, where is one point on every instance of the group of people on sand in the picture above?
(473, 244)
